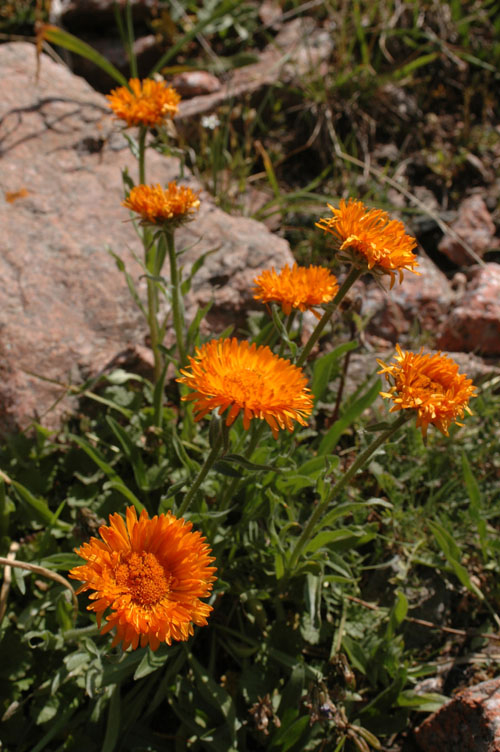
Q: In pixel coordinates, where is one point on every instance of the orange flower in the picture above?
(368, 238)
(228, 374)
(299, 287)
(147, 102)
(159, 206)
(151, 573)
(430, 385)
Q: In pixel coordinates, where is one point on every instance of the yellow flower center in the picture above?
(142, 575)
(243, 383)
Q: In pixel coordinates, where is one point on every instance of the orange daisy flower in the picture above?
(147, 102)
(299, 287)
(151, 574)
(430, 385)
(156, 205)
(368, 238)
(235, 376)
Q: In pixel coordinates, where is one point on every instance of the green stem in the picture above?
(150, 252)
(288, 327)
(142, 154)
(214, 453)
(351, 278)
(254, 440)
(153, 307)
(78, 633)
(176, 301)
(358, 463)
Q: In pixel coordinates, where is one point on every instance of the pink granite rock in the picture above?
(423, 298)
(475, 226)
(474, 321)
(65, 310)
(469, 723)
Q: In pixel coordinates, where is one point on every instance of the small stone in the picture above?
(468, 723)
(195, 83)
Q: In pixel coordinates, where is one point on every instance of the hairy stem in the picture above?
(351, 278)
(214, 453)
(358, 463)
(176, 300)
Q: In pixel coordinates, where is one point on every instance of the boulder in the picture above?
(474, 321)
(65, 310)
(475, 226)
(469, 723)
(423, 299)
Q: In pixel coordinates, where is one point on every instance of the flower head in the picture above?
(368, 238)
(234, 376)
(299, 287)
(146, 103)
(155, 205)
(430, 385)
(151, 574)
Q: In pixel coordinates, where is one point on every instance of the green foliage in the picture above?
(266, 673)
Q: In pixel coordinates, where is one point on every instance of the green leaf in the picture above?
(238, 459)
(474, 495)
(414, 65)
(113, 722)
(471, 483)
(115, 481)
(216, 696)
(292, 692)
(186, 283)
(152, 661)
(279, 565)
(116, 673)
(131, 452)
(130, 282)
(64, 613)
(290, 733)
(330, 439)
(453, 554)
(226, 469)
(338, 540)
(39, 507)
(289, 662)
(324, 366)
(397, 614)
(429, 702)
(69, 42)
(194, 326)
(63, 561)
(61, 722)
(294, 483)
(342, 510)
(158, 394)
